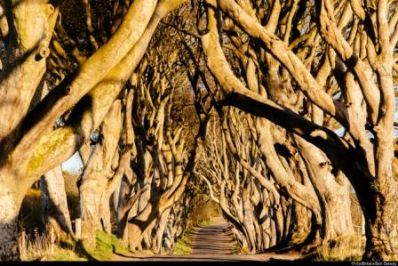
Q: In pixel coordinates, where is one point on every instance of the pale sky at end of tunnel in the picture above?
(73, 165)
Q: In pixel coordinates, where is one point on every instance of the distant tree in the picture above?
(335, 58)
(283, 76)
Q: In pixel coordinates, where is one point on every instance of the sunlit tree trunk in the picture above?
(94, 199)
(20, 79)
(54, 200)
(161, 224)
(333, 192)
(10, 202)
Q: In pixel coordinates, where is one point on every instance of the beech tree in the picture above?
(30, 146)
(344, 73)
(283, 183)
(245, 95)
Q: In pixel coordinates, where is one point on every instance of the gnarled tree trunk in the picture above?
(94, 199)
(55, 205)
(10, 202)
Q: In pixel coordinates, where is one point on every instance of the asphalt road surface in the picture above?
(213, 242)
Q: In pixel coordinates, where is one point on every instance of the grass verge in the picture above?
(349, 248)
(106, 246)
(184, 244)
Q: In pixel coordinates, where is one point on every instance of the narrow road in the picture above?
(213, 242)
(214, 239)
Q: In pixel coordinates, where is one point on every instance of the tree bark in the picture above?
(160, 232)
(10, 202)
(333, 192)
(381, 224)
(94, 199)
(55, 201)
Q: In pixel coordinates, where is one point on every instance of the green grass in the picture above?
(66, 254)
(349, 248)
(106, 246)
(70, 250)
(184, 244)
(41, 248)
